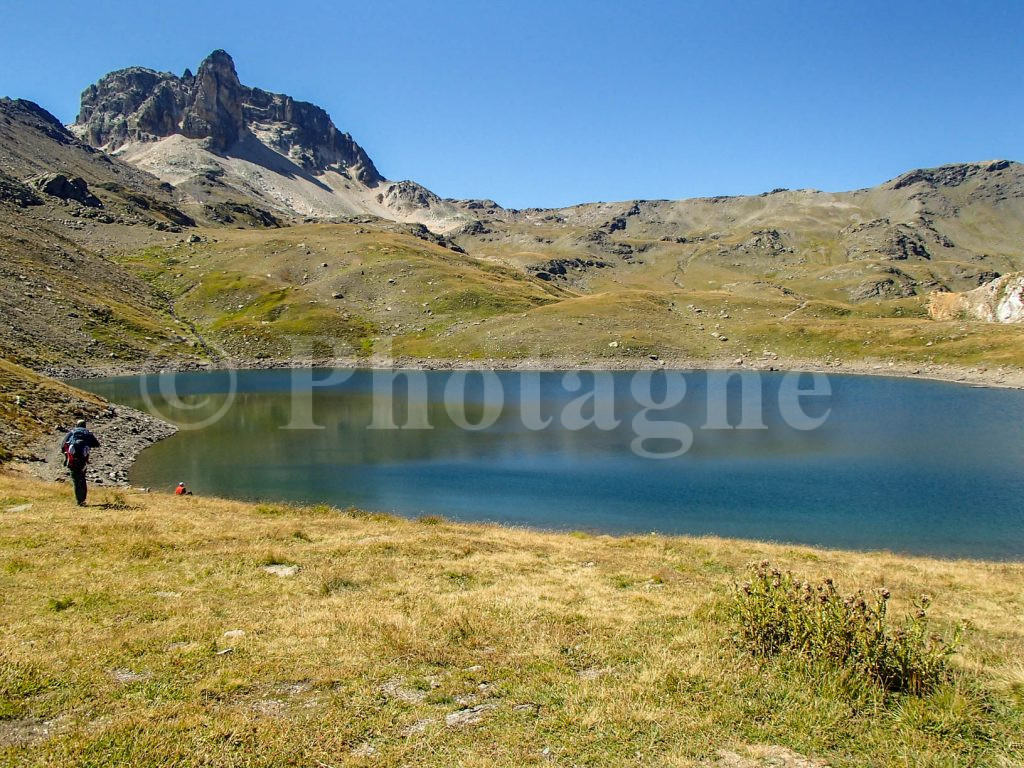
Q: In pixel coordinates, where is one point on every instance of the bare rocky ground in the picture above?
(123, 434)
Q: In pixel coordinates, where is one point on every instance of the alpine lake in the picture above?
(864, 462)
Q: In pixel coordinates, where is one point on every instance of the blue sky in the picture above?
(553, 103)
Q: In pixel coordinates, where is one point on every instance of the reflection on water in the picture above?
(906, 465)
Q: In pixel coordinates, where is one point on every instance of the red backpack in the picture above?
(76, 450)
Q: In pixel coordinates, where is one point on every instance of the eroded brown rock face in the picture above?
(1000, 301)
(139, 104)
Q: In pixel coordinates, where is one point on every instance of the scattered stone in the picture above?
(759, 756)
(281, 570)
(366, 749)
(270, 707)
(18, 733)
(468, 716)
(225, 651)
(234, 633)
(19, 508)
(394, 689)
(418, 727)
(613, 344)
(295, 689)
(126, 676)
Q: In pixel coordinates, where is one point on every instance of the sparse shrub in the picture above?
(322, 509)
(361, 514)
(430, 519)
(141, 550)
(116, 500)
(58, 604)
(301, 536)
(777, 613)
(269, 510)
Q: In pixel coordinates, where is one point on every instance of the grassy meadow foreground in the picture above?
(154, 630)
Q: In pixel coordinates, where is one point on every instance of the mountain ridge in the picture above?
(140, 104)
(214, 138)
(206, 247)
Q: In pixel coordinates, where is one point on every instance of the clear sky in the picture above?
(552, 103)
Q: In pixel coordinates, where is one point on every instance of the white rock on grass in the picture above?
(281, 570)
(468, 716)
(395, 689)
(125, 676)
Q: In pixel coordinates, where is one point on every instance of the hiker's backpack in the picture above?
(76, 450)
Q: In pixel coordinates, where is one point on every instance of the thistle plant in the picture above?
(777, 613)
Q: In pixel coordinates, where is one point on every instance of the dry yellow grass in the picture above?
(409, 643)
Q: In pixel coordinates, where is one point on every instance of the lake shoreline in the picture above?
(885, 399)
(1000, 377)
(123, 432)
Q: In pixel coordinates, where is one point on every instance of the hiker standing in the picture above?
(76, 447)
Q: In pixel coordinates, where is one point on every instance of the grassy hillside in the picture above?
(147, 629)
(115, 275)
(256, 295)
(32, 406)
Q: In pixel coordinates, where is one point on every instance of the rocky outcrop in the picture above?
(562, 268)
(891, 283)
(140, 105)
(407, 195)
(1001, 301)
(60, 186)
(13, 191)
(947, 175)
(214, 110)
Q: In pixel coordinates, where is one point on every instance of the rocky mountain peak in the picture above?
(215, 108)
(137, 105)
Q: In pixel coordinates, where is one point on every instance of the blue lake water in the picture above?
(905, 465)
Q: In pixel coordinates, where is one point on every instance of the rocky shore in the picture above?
(995, 376)
(123, 434)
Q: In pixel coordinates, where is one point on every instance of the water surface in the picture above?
(912, 466)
